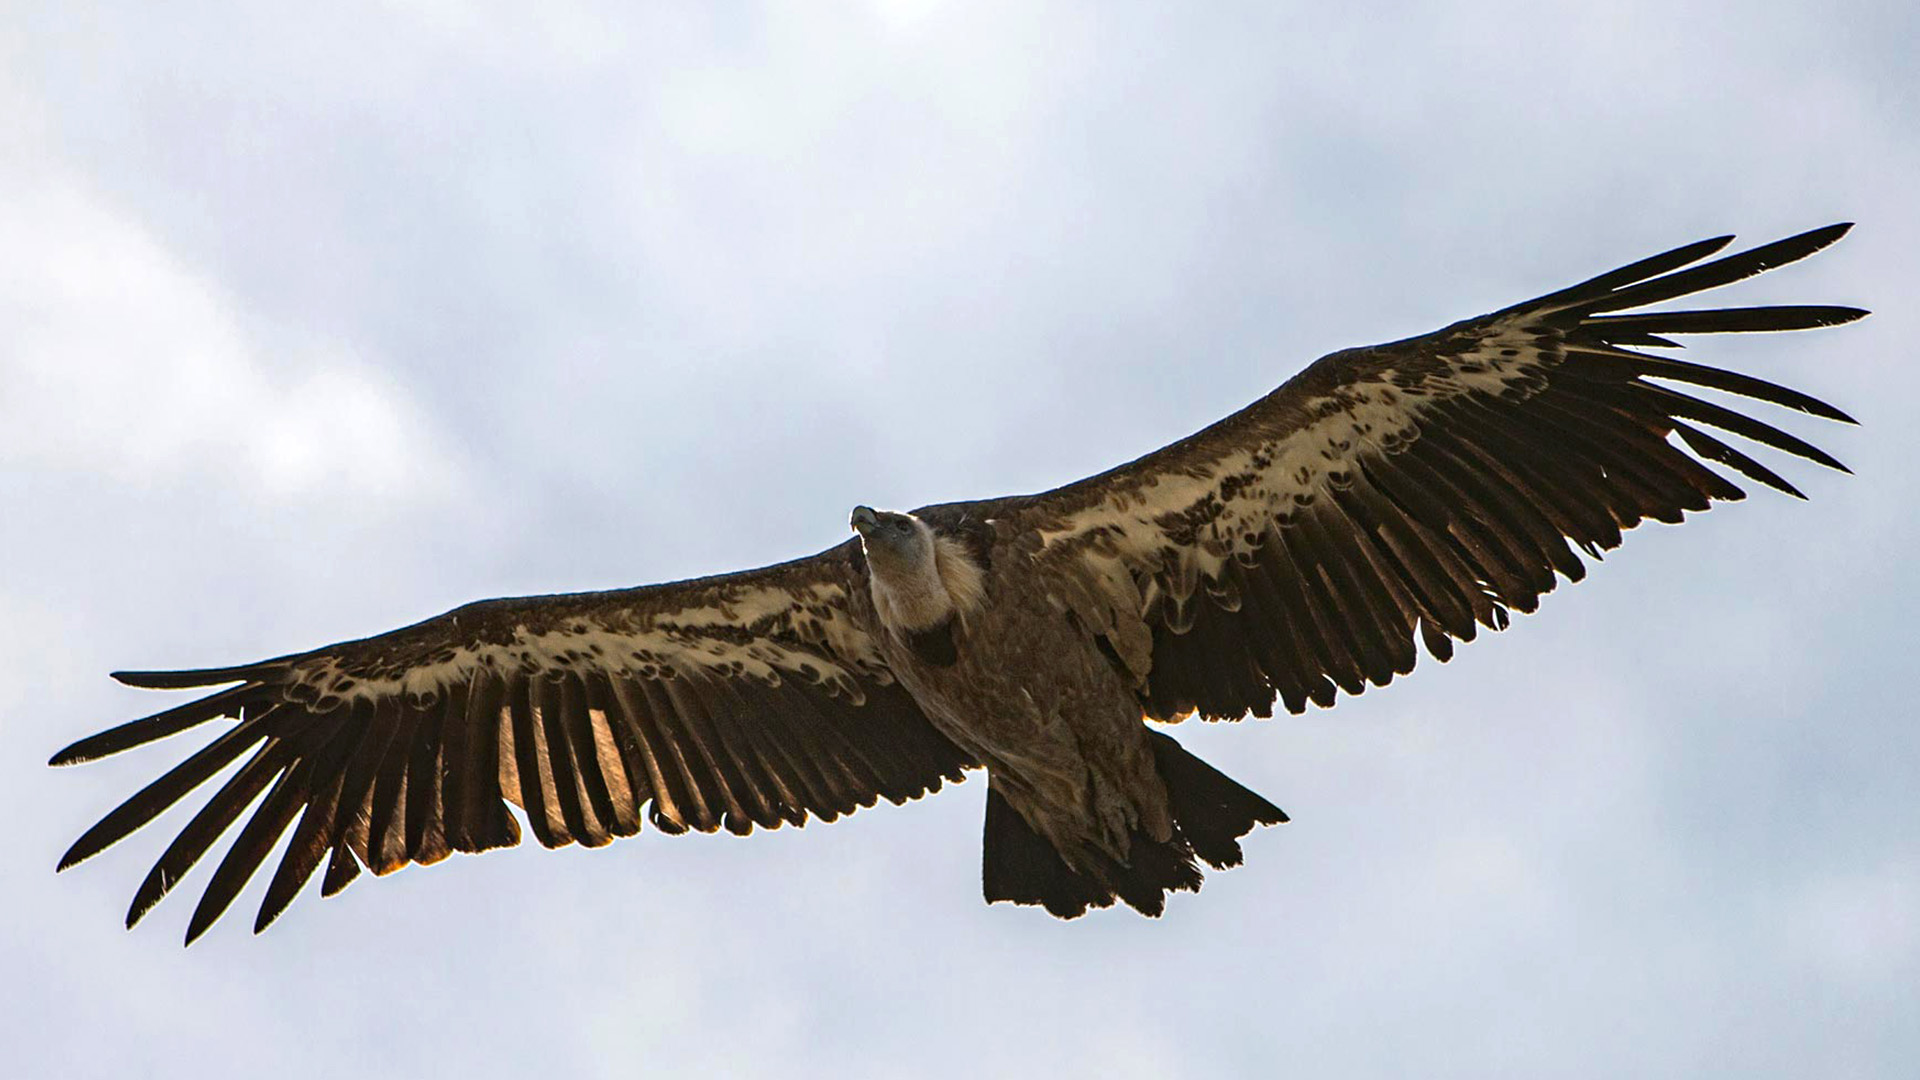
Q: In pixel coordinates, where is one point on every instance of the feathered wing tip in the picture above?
(229, 702)
(149, 802)
(1608, 344)
(195, 677)
(1671, 274)
(1751, 320)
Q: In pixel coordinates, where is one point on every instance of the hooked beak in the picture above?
(863, 519)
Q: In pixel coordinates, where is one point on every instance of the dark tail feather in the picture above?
(1211, 812)
(1018, 864)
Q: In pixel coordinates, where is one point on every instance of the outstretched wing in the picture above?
(747, 699)
(1419, 489)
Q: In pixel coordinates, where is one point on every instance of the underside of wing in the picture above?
(1414, 492)
(748, 699)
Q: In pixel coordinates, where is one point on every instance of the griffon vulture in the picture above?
(1384, 498)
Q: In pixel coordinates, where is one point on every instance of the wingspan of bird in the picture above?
(1408, 493)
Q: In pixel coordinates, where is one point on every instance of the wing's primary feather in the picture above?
(1419, 489)
(748, 699)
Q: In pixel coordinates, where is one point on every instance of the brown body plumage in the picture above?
(1026, 691)
(1406, 494)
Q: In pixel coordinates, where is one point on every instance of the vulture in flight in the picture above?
(1383, 499)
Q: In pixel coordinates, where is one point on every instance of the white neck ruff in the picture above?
(928, 594)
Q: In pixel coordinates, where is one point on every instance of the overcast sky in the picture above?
(314, 325)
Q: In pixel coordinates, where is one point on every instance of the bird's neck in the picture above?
(929, 592)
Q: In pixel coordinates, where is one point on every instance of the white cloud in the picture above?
(121, 360)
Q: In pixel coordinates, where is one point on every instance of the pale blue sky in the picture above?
(318, 324)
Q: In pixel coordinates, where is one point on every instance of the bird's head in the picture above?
(893, 540)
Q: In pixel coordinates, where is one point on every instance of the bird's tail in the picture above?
(1211, 813)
